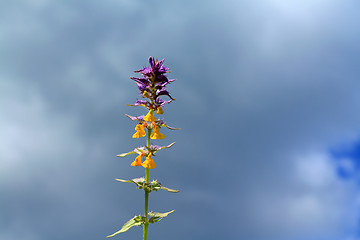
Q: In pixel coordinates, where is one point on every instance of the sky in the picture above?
(266, 98)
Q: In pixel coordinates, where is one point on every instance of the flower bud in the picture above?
(159, 111)
(146, 94)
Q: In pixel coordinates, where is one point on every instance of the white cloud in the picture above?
(326, 200)
(32, 135)
(307, 200)
(316, 170)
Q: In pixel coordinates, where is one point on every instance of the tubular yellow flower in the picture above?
(140, 131)
(159, 111)
(149, 162)
(137, 161)
(150, 117)
(157, 134)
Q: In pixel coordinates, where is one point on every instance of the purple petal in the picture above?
(140, 102)
(143, 81)
(161, 102)
(155, 147)
(161, 79)
(152, 61)
(164, 92)
(140, 118)
(142, 88)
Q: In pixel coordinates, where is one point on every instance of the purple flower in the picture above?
(163, 92)
(156, 68)
(160, 102)
(153, 85)
(142, 83)
(140, 102)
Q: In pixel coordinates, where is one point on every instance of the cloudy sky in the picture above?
(267, 96)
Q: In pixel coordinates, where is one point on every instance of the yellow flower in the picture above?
(149, 162)
(150, 117)
(157, 134)
(140, 131)
(137, 161)
(159, 111)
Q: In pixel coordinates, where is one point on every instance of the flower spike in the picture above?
(153, 95)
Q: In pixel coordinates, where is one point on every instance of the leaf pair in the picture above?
(153, 186)
(140, 220)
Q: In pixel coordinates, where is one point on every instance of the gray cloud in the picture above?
(264, 90)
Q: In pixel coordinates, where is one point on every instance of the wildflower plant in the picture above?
(152, 86)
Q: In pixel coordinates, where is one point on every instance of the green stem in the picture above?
(146, 225)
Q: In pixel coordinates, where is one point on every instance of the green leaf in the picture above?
(155, 216)
(170, 190)
(131, 117)
(161, 215)
(137, 181)
(122, 180)
(168, 146)
(135, 221)
(125, 154)
(171, 128)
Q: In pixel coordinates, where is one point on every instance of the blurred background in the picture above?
(267, 96)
